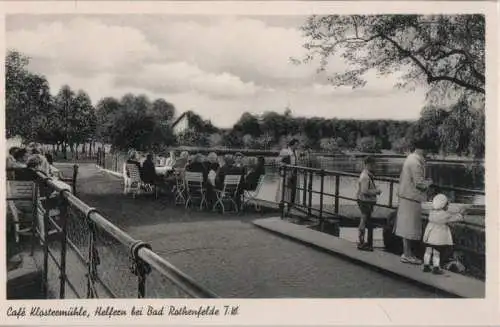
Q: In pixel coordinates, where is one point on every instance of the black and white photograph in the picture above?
(246, 156)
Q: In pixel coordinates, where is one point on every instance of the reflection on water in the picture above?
(470, 176)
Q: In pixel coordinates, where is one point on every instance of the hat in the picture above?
(439, 202)
(238, 154)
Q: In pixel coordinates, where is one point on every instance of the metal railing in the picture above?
(342, 211)
(304, 185)
(88, 254)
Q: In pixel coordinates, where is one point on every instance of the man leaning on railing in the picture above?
(288, 156)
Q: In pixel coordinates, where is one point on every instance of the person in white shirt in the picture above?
(367, 198)
(288, 156)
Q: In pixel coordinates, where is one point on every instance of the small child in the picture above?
(367, 198)
(437, 234)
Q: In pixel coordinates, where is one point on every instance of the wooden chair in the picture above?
(249, 196)
(21, 199)
(228, 193)
(132, 179)
(194, 188)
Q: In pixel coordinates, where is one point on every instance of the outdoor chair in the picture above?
(21, 197)
(132, 180)
(194, 188)
(179, 187)
(228, 193)
(251, 195)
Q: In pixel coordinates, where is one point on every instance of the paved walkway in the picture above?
(231, 256)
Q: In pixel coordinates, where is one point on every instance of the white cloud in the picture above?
(84, 44)
(182, 77)
(217, 66)
(245, 46)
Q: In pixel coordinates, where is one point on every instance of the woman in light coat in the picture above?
(412, 192)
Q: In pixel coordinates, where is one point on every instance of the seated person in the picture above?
(238, 160)
(197, 166)
(170, 161)
(148, 174)
(255, 170)
(182, 161)
(44, 165)
(229, 168)
(49, 158)
(23, 173)
(212, 162)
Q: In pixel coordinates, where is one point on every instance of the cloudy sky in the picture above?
(218, 66)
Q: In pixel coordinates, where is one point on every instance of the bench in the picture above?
(20, 198)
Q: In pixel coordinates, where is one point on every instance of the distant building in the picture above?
(181, 124)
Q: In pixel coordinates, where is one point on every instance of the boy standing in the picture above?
(367, 198)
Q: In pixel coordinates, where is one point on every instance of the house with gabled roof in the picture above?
(181, 124)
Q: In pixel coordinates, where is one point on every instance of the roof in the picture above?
(179, 119)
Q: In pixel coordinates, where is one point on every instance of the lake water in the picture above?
(469, 176)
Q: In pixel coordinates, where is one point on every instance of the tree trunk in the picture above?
(65, 150)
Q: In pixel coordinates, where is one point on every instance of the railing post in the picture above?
(35, 217)
(63, 217)
(283, 187)
(45, 241)
(116, 162)
(310, 189)
(337, 193)
(93, 255)
(391, 192)
(103, 158)
(74, 177)
(322, 189)
(139, 268)
(304, 183)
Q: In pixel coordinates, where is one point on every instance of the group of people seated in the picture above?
(32, 157)
(213, 168)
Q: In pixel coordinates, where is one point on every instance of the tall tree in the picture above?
(107, 111)
(163, 110)
(27, 96)
(248, 124)
(445, 51)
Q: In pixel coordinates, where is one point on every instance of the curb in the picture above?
(450, 283)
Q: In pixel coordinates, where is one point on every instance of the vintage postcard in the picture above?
(250, 163)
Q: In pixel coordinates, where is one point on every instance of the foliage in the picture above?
(446, 52)
(215, 140)
(136, 122)
(456, 130)
(27, 97)
(248, 124)
(368, 144)
(401, 145)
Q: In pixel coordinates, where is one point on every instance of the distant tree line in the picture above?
(69, 120)
(455, 130)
